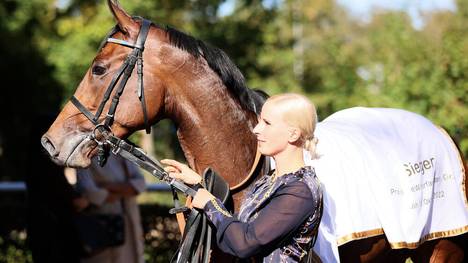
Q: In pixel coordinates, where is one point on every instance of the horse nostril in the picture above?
(49, 146)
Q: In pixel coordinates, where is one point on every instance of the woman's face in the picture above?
(272, 132)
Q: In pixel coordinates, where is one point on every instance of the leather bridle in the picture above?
(123, 74)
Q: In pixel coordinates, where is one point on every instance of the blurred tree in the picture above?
(29, 90)
(421, 71)
(312, 47)
(344, 62)
(241, 36)
(294, 45)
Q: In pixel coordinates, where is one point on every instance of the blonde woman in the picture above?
(278, 220)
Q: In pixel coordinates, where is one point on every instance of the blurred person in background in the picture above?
(112, 189)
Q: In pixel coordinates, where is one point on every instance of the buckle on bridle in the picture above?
(104, 133)
(101, 140)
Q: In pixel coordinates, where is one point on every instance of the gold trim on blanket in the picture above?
(396, 245)
(431, 236)
(462, 164)
(359, 235)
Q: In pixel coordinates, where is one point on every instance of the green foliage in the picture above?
(161, 234)
(312, 47)
(13, 248)
(28, 88)
(384, 63)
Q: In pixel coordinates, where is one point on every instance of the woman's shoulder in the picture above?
(305, 171)
(302, 174)
(299, 181)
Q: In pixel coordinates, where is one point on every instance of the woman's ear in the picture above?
(294, 135)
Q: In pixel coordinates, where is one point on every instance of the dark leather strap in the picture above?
(131, 60)
(110, 88)
(143, 34)
(123, 74)
(141, 94)
(141, 91)
(197, 237)
(83, 109)
(209, 230)
(140, 158)
(190, 231)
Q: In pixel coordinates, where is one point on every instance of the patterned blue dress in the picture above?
(277, 222)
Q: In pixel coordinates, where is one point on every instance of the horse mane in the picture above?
(220, 63)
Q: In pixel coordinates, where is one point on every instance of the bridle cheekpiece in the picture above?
(123, 74)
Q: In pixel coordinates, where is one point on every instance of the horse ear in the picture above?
(125, 21)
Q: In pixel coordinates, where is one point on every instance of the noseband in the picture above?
(124, 72)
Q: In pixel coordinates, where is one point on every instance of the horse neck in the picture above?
(213, 128)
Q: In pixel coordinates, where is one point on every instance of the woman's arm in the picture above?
(287, 209)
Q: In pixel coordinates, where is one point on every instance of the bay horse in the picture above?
(205, 95)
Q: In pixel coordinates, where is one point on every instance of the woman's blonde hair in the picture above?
(299, 112)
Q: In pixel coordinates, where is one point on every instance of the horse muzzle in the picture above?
(75, 151)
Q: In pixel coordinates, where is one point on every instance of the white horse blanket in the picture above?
(387, 171)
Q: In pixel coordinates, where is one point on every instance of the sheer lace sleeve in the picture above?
(285, 211)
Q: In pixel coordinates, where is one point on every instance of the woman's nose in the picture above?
(256, 129)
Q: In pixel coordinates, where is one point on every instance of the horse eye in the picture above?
(98, 70)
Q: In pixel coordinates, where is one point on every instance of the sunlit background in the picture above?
(343, 53)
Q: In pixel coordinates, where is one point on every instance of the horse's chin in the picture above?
(79, 158)
(77, 152)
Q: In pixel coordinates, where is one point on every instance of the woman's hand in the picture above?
(201, 198)
(181, 171)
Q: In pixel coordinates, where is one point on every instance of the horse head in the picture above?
(183, 79)
(67, 140)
